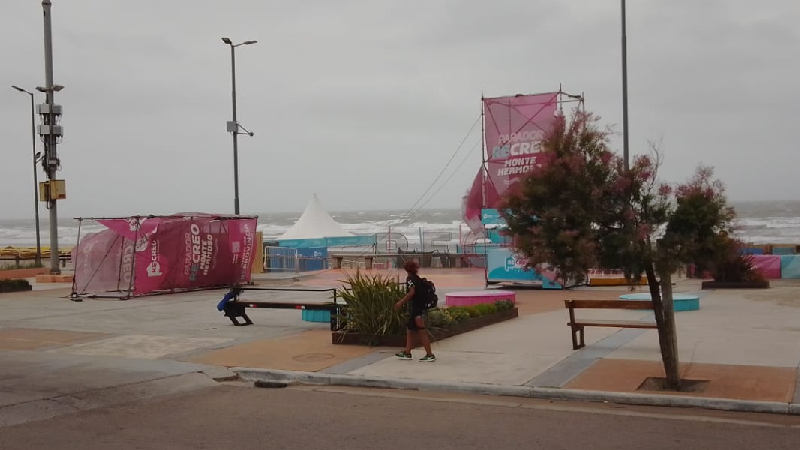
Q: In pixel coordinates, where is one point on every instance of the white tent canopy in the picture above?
(315, 223)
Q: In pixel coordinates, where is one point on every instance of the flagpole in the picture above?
(484, 172)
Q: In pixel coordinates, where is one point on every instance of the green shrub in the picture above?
(504, 305)
(473, 311)
(14, 285)
(440, 318)
(485, 309)
(458, 313)
(31, 265)
(730, 264)
(370, 305)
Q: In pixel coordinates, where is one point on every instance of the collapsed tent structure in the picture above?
(141, 255)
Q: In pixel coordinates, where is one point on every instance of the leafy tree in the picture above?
(583, 209)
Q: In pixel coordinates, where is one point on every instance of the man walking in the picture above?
(416, 311)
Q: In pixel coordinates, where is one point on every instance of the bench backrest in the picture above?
(609, 304)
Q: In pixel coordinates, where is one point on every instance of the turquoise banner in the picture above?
(495, 237)
(343, 241)
(491, 217)
(503, 266)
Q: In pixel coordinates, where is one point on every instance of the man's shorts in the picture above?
(412, 324)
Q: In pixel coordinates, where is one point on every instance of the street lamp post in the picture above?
(625, 154)
(233, 126)
(35, 176)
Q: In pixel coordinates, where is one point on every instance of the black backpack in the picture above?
(427, 294)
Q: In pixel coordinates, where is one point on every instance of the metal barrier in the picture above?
(280, 259)
(285, 259)
(370, 261)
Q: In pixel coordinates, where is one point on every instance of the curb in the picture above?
(315, 378)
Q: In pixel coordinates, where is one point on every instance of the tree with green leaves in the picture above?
(582, 209)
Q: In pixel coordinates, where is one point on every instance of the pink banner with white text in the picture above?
(174, 253)
(514, 129)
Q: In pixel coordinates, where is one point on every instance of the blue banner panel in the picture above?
(503, 266)
(343, 241)
(790, 266)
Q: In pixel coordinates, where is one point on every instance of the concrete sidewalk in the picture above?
(744, 344)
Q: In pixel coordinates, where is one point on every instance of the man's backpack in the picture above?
(427, 293)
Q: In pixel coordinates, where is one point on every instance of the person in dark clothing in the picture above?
(416, 313)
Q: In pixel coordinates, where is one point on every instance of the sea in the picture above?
(757, 222)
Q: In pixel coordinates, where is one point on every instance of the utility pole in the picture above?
(625, 154)
(50, 131)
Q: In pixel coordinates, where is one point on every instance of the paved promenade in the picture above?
(57, 356)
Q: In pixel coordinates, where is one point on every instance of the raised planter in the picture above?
(470, 298)
(437, 334)
(680, 301)
(22, 273)
(316, 315)
(735, 284)
(14, 286)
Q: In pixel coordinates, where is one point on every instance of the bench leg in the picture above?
(583, 343)
(574, 337)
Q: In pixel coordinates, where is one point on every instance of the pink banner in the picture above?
(768, 265)
(166, 253)
(514, 129)
(132, 227)
(194, 253)
(481, 195)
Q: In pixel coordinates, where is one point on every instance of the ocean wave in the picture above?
(768, 222)
(438, 225)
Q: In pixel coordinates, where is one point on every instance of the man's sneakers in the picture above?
(406, 355)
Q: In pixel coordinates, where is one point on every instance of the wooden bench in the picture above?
(577, 325)
(234, 307)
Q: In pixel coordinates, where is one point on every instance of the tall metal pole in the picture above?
(51, 157)
(233, 126)
(625, 154)
(35, 184)
(484, 171)
(35, 175)
(235, 134)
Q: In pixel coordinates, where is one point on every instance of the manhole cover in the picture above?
(313, 357)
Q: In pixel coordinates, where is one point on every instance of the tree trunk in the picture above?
(671, 364)
(666, 333)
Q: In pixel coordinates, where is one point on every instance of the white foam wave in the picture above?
(750, 229)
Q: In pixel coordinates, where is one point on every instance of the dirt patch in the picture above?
(657, 384)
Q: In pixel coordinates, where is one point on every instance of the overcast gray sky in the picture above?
(364, 101)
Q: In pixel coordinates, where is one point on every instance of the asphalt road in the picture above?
(238, 416)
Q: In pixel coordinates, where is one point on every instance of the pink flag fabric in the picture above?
(514, 129)
(768, 265)
(481, 195)
(167, 253)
